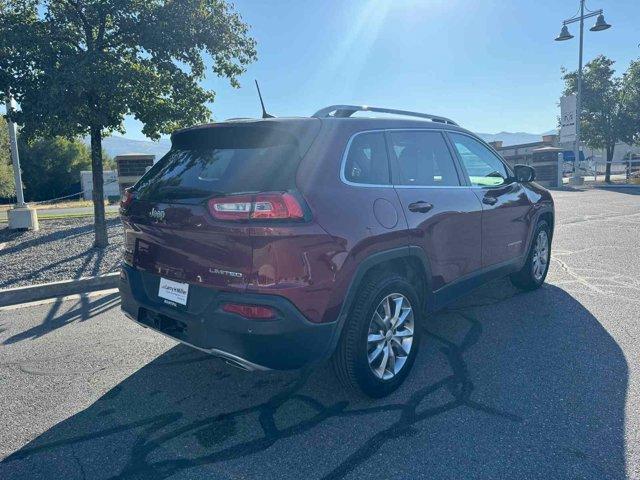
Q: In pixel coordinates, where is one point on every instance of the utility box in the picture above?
(131, 166)
(545, 160)
(109, 182)
(542, 155)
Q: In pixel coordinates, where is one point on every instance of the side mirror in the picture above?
(524, 173)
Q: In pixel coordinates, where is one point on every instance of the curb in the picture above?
(587, 186)
(33, 293)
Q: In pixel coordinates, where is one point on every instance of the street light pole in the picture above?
(600, 25)
(21, 216)
(13, 147)
(577, 178)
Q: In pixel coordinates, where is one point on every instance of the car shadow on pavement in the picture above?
(85, 308)
(506, 385)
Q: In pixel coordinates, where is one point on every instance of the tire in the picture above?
(363, 336)
(533, 273)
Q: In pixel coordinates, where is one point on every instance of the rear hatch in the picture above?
(169, 226)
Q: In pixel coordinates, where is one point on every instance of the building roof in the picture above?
(548, 149)
(135, 155)
(522, 145)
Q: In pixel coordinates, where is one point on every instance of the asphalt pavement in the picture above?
(507, 385)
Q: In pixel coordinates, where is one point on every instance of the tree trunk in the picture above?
(607, 174)
(100, 226)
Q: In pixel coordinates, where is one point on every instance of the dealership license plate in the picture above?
(173, 291)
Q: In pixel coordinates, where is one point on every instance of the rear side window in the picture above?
(367, 160)
(223, 161)
(423, 159)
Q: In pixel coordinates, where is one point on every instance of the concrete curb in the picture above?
(43, 291)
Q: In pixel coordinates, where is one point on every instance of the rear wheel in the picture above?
(535, 269)
(380, 340)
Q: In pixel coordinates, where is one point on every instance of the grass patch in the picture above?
(51, 216)
(48, 206)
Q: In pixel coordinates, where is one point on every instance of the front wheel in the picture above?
(534, 271)
(380, 340)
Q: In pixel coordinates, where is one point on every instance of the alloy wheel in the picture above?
(390, 336)
(540, 255)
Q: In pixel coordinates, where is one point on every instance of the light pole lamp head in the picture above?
(564, 34)
(600, 24)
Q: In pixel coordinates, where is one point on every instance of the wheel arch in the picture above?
(548, 216)
(410, 261)
(545, 213)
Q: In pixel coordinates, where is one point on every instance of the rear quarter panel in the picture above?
(295, 262)
(346, 212)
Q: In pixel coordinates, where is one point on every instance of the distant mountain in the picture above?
(515, 138)
(116, 145)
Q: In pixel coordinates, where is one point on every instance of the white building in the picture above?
(619, 154)
(109, 178)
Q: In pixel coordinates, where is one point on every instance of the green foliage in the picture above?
(7, 183)
(77, 64)
(78, 67)
(108, 162)
(609, 104)
(631, 102)
(51, 166)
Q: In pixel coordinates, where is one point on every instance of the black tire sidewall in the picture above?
(368, 382)
(541, 226)
(524, 278)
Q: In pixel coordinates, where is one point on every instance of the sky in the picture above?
(490, 65)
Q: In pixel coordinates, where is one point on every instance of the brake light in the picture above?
(255, 312)
(127, 198)
(267, 206)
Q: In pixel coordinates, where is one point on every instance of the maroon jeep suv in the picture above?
(281, 242)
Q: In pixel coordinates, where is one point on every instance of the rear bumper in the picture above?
(286, 342)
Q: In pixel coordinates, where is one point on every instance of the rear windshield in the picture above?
(222, 161)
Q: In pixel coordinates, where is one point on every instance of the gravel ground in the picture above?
(60, 250)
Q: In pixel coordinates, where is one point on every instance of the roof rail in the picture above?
(345, 111)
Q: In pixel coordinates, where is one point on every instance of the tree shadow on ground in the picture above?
(43, 236)
(507, 385)
(92, 259)
(84, 309)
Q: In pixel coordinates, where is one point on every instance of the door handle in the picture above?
(421, 207)
(489, 200)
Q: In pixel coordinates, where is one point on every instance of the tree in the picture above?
(78, 67)
(607, 111)
(51, 166)
(7, 183)
(631, 101)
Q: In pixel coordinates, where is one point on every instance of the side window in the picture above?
(423, 159)
(482, 165)
(367, 160)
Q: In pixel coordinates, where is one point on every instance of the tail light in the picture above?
(255, 312)
(127, 198)
(267, 206)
